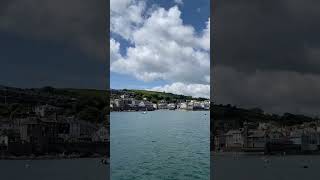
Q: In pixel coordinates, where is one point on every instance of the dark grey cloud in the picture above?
(267, 54)
(79, 23)
(54, 42)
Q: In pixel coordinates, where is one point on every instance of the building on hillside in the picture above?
(33, 131)
(263, 126)
(295, 136)
(155, 106)
(145, 105)
(86, 130)
(4, 142)
(124, 96)
(118, 104)
(101, 135)
(205, 105)
(183, 106)
(45, 110)
(310, 141)
(171, 106)
(6, 125)
(220, 141)
(197, 105)
(190, 105)
(234, 139)
(162, 105)
(256, 139)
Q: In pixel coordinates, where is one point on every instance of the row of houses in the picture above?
(64, 129)
(194, 105)
(245, 139)
(39, 131)
(124, 104)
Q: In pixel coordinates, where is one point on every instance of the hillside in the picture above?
(152, 96)
(89, 104)
(227, 115)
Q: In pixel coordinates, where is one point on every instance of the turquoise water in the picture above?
(64, 169)
(160, 145)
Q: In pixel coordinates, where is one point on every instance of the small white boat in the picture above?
(144, 112)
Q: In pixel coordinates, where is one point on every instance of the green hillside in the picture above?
(83, 92)
(153, 96)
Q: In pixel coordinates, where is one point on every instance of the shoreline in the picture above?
(235, 153)
(163, 110)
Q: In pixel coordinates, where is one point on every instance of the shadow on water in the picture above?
(261, 167)
(71, 169)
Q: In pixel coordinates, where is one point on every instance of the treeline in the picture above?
(153, 96)
(233, 113)
(90, 105)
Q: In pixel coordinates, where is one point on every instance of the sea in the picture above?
(259, 167)
(62, 169)
(160, 145)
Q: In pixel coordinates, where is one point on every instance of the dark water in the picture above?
(160, 145)
(258, 168)
(76, 169)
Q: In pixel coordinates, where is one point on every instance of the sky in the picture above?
(53, 43)
(267, 55)
(160, 45)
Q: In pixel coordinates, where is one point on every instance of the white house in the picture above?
(171, 106)
(183, 106)
(155, 106)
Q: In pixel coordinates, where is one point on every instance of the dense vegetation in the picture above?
(86, 104)
(153, 96)
(238, 116)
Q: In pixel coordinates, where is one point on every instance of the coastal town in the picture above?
(47, 130)
(128, 102)
(266, 134)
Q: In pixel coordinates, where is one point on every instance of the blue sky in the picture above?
(147, 27)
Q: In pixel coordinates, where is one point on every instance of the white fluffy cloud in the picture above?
(195, 90)
(163, 47)
(114, 50)
(126, 16)
(205, 39)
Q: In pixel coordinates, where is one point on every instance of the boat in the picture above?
(144, 112)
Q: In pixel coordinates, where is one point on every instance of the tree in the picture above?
(138, 97)
(91, 114)
(48, 89)
(4, 110)
(15, 109)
